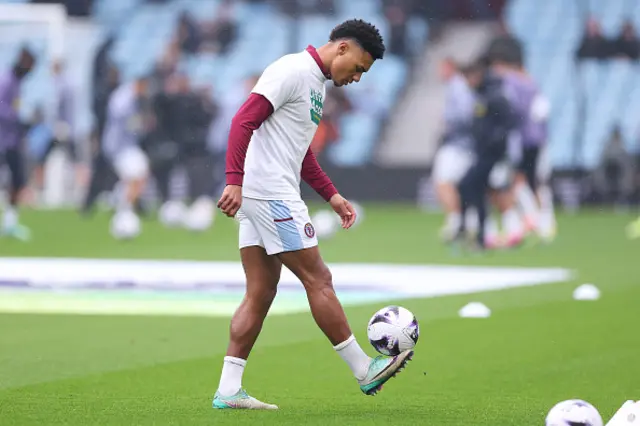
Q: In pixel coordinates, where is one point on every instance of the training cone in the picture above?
(586, 292)
(475, 310)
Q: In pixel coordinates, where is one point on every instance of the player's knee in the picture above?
(320, 281)
(263, 295)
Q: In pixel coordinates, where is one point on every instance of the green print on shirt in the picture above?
(316, 106)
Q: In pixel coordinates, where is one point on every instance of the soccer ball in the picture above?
(125, 225)
(326, 223)
(171, 213)
(393, 330)
(573, 412)
(200, 215)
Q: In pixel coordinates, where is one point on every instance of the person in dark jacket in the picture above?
(493, 121)
(102, 175)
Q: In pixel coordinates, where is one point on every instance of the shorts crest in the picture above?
(309, 230)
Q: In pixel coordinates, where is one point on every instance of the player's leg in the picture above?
(502, 187)
(10, 220)
(202, 210)
(132, 166)
(525, 187)
(450, 165)
(161, 172)
(547, 226)
(101, 173)
(502, 197)
(473, 190)
(470, 189)
(40, 161)
(308, 266)
(262, 273)
(287, 232)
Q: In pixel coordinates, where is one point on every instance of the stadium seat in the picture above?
(599, 94)
(358, 135)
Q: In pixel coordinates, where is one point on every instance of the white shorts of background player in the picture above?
(131, 163)
(451, 163)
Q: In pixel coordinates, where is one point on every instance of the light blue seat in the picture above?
(358, 136)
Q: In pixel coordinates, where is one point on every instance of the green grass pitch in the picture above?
(539, 347)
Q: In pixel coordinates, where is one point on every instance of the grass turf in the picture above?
(538, 348)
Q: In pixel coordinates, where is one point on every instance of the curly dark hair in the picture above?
(363, 33)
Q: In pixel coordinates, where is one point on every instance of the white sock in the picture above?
(511, 223)
(527, 201)
(546, 199)
(9, 218)
(454, 220)
(472, 221)
(354, 356)
(231, 377)
(547, 213)
(491, 231)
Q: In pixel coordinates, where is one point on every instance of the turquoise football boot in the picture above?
(241, 400)
(17, 232)
(381, 369)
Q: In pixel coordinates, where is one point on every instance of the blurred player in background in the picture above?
(193, 113)
(102, 174)
(121, 143)
(61, 124)
(11, 133)
(505, 57)
(280, 119)
(532, 179)
(526, 145)
(220, 127)
(456, 154)
(493, 122)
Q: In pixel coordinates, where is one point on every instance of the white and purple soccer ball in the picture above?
(573, 412)
(125, 225)
(393, 330)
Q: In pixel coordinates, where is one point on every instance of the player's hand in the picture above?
(231, 200)
(344, 209)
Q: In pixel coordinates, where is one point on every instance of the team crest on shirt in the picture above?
(309, 230)
(316, 105)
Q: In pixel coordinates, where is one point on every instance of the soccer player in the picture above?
(505, 60)
(494, 120)
(121, 142)
(456, 154)
(268, 154)
(532, 171)
(11, 133)
(532, 180)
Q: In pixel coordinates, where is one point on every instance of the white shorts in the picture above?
(451, 163)
(131, 164)
(276, 225)
(501, 176)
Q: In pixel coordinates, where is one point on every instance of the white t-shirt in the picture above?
(294, 84)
